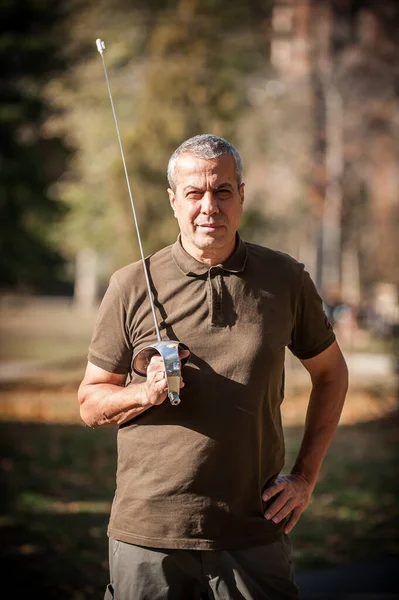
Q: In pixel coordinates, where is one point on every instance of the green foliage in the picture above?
(30, 161)
(174, 71)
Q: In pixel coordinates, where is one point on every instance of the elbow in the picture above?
(87, 420)
(86, 414)
(86, 417)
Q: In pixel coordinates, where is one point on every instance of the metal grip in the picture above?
(174, 398)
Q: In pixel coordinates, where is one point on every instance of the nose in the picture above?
(209, 204)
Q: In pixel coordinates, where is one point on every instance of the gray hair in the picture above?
(204, 146)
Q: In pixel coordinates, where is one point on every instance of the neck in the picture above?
(208, 256)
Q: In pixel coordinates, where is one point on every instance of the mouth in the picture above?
(211, 226)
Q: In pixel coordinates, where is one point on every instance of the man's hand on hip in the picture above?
(294, 494)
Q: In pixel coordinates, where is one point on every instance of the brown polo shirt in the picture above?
(191, 476)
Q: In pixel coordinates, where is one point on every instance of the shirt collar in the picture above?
(190, 266)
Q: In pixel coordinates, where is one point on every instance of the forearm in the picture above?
(322, 417)
(108, 404)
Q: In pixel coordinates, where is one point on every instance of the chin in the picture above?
(210, 241)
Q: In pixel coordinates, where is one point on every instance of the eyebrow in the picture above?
(192, 188)
(222, 185)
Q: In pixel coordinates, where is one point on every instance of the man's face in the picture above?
(207, 204)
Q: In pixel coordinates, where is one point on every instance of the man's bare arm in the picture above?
(105, 399)
(329, 376)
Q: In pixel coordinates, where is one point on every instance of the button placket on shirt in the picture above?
(215, 290)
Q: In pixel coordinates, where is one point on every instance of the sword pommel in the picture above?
(100, 45)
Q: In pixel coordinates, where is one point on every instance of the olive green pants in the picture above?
(258, 573)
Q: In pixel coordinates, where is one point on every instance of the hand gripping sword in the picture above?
(169, 350)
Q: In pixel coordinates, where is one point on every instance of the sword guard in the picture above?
(169, 351)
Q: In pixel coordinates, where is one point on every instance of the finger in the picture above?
(284, 511)
(154, 377)
(156, 372)
(156, 362)
(160, 382)
(293, 520)
(276, 506)
(159, 376)
(158, 392)
(274, 489)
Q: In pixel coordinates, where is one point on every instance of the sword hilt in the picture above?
(169, 351)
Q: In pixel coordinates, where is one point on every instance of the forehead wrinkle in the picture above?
(199, 173)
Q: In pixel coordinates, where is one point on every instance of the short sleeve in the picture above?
(312, 332)
(110, 347)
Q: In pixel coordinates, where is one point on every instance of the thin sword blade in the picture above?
(101, 47)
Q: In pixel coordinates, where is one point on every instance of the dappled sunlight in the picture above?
(59, 484)
(308, 92)
(29, 502)
(361, 405)
(354, 512)
(52, 405)
(40, 406)
(59, 475)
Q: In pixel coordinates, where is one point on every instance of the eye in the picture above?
(194, 196)
(223, 192)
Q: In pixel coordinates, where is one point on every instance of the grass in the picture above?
(58, 476)
(59, 483)
(354, 513)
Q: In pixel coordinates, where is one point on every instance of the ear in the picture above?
(172, 199)
(241, 192)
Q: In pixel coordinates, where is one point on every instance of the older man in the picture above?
(201, 509)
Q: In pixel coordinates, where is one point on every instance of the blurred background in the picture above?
(308, 91)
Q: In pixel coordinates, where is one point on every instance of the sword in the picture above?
(169, 350)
